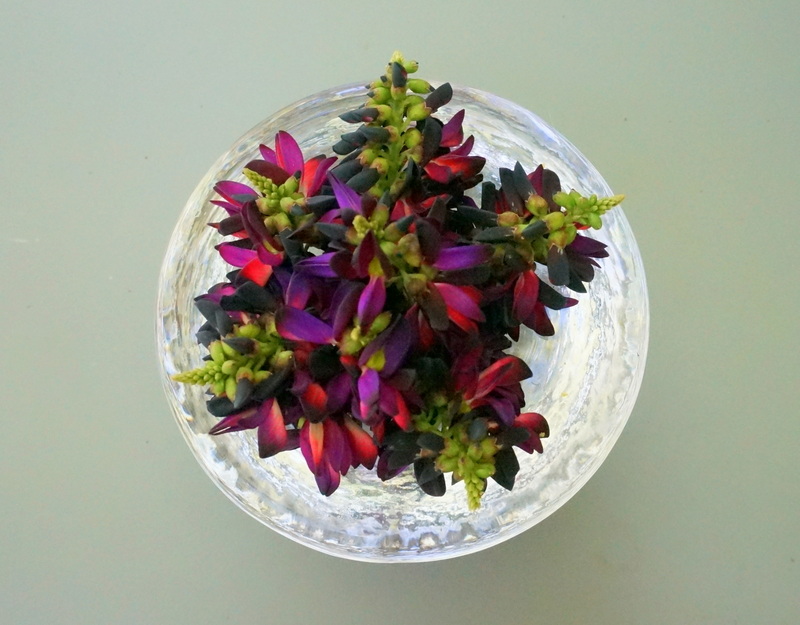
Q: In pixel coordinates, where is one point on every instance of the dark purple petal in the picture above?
(268, 258)
(463, 299)
(312, 439)
(344, 304)
(268, 154)
(372, 300)
(465, 148)
(462, 257)
(369, 387)
(361, 444)
(298, 325)
(430, 240)
(245, 420)
(320, 172)
(396, 346)
(317, 265)
(588, 247)
(557, 266)
(435, 309)
(234, 191)
(277, 174)
(231, 208)
(364, 254)
(298, 292)
(254, 225)
(342, 265)
(506, 371)
(235, 255)
(327, 479)
(339, 390)
(272, 435)
(452, 131)
(439, 96)
(526, 294)
(314, 401)
(504, 408)
(345, 196)
(288, 153)
(231, 225)
(538, 428)
(336, 449)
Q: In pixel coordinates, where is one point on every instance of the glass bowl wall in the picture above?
(585, 378)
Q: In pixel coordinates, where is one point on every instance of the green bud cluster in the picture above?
(228, 366)
(585, 211)
(358, 337)
(470, 461)
(375, 223)
(467, 456)
(553, 228)
(277, 201)
(400, 104)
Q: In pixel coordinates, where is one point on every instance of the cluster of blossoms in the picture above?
(373, 299)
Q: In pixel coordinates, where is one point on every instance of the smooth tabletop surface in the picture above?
(112, 112)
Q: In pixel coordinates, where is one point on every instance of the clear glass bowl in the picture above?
(585, 378)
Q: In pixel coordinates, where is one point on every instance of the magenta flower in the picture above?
(331, 448)
(372, 302)
(273, 437)
(287, 160)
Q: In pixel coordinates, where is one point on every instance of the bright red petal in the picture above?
(256, 271)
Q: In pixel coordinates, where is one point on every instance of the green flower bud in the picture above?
(484, 471)
(445, 464)
(417, 112)
(564, 199)
(291, 185)
(381, 165)
(554, 221)
(282, 359)
(408, 246)
(559, 238)
(388, 248)
(361, 224)
(282, 221)
(593, 220)
(380, 323)
(367, 156)
(350, 346)
(384, 112)
(380, 95)
(244, 372)
(217, 352)
(230, 388)
(488, 447)
(229, 367)
(412, 138)
(410, 66)
(536, 205)
(380, 216)
(262, 204)
(377, 361)
(250, 330)
(417, 85)
(508, 219)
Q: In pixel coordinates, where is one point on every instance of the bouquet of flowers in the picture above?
(375, 294)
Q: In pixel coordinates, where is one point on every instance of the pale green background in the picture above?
(112, 111)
